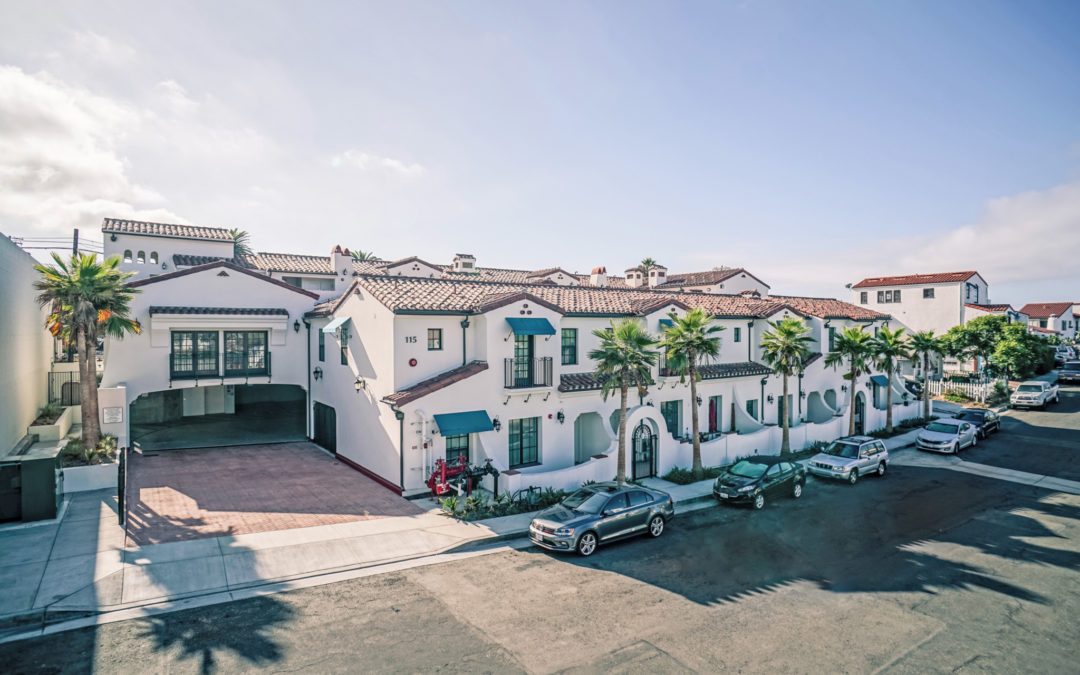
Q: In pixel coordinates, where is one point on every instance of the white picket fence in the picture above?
(977, 391)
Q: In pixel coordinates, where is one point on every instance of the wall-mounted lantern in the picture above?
(699, 400)
(296, 326)
(496, 424)
(843, 387)
(359, 384)
(561, 416)
(769, 398)
(317, 373)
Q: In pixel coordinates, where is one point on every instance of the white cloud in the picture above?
(369, 162)
(89, 44)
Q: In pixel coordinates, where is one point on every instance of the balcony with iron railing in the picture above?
(208, 365)
(665, 369)
(528, 373)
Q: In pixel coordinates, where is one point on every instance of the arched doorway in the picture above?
(860, 413)
(644, 446)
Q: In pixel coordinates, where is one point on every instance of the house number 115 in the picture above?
(410, 339)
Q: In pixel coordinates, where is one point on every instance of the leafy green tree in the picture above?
(241, 242)
(624, 359)
(977, 338)
(690, 341)
(924, 345)
(86, 297)
(889, 348)
(853, 350)
(1019, 354)
(785, 346)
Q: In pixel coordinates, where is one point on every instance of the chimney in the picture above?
(657, 275)
(341, 263)
(465, 262)
(635, 277)
(598, 277)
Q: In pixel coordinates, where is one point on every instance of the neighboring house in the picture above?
(25, 346)
(974, 311)
(921, 302)
(410, 362)
(1057, 317)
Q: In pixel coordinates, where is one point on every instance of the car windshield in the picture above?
(845, 450)
(1071, 366)
(971, 417)
(745, 469)
(1029, 387)
(585, 501)
(942, 428)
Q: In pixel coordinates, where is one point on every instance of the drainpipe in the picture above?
(464, 325)
(400, 417)
(800, 396)
(307, 429)
(761, 408)
(749, 337)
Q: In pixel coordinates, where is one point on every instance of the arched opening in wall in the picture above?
(860, 413)
(141, 257)
(816, 412)
(644, 444)
(830, 398)
(153, 257)
(127, 256)
(589, 436)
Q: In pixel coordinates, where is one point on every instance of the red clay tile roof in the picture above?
(165, 230)
(707, 278)
(290, 262)
(1044, 310)
(548, 272)
(433, 384)
(989, 308)
(916, 279)
(246, 311)
(1040, 329)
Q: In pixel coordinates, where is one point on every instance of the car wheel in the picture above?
(586, 545)
(853, 477)
(974, 440)
(656, 526)
(881, 470)
(796, 491)
(956, 448)
(759, 501)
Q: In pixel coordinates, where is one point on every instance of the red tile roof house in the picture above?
(1059, 317)
(398, 364)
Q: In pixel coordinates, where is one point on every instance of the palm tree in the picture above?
(623, 359)
(647, 264)
(889, 348)
(86, 297)
(785, 347)
(691, 341)
(924, 345)
(852, 347)
(241, 242)
(363, 255)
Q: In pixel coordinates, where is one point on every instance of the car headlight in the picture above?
(747, 488)
(564, 532)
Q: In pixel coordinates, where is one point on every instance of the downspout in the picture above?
(464, 325)
(800, 396)
(307, 429)
(761, 409)
(400, 416)
(749, 338)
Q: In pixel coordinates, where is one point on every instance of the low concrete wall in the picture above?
(85, 478)
(56, 430)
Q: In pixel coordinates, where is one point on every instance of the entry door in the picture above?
(326, 427)
(523, 360)
(644, 444)
(860, 413)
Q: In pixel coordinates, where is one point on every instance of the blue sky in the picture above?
(812, 142)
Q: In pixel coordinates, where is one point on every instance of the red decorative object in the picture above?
(412, 362)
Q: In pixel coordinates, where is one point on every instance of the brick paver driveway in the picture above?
(208, 492)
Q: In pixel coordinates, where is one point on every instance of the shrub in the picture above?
(449, 505)
(48, 414)
(681, 476)
(956, 396)
(816, 447)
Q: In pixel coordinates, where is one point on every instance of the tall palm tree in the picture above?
(889, 348)
(690, 341)
(357, 254)
(647, 264)
(924, 345)
(785, 347)
(86, 297)
(853, 349)
(241, 242)
(624, 359)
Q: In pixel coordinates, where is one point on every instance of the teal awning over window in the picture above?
(523, 326)
(880, 380)
(667, 323)
(455, 424)
(335, 324)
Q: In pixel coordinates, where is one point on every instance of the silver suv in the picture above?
(849, 458)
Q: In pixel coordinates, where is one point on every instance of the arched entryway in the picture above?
(860, 413)
(644, 446)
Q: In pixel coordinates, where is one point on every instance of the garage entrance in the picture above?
(199, 417)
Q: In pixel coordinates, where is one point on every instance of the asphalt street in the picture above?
(926, 570)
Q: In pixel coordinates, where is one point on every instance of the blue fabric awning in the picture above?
(880, 380)
(523, 326)
(667, 323)
(455, 424)
(335, 324)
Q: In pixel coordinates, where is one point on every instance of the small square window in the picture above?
(896, 295)
(881, 296)
(862, 298)
(928, 293)
(434, 339)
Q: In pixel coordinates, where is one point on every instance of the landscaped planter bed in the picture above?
(54, 431)
(85, 478)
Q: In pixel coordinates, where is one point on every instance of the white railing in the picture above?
(977, 391)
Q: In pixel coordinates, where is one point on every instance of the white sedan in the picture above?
(947, 435)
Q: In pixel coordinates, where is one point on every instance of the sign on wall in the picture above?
(112, 415)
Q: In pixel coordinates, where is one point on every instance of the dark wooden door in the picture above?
(326, 427)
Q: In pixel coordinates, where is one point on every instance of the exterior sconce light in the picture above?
(496, 424)
(802, 394)
(699, 400)
(769, 398)
(112, 237)
(164, 266)
(317, 373)
(764, 381)
(561, 416)
(843, 387)
(359, 384)
(296, 326)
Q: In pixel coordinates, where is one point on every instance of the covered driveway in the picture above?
(210, 492)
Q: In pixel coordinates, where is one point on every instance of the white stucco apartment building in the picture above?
(393, 365)
(1053, 318)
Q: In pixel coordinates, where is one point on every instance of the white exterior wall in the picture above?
(25, 345)
(165, 247)
(939, 314)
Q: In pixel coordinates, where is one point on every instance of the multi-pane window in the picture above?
(245, 353)
(832, 339)
(751, 408)
(928, 293)
(569, 346)
(862, 297)
(737, 336)
(881, 296)
(457, 446)
(896, 295)
(672, 412)
(524, 441)
(434, 339)
(322, 346)
(194, 354)
(523, 361)
(344, 331)
(888, 296)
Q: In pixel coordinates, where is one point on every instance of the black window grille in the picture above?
(524, 441)
(322, 346)
(194, 354)
(569, 346)
(245, 353)
(457, 446)
(434, 339)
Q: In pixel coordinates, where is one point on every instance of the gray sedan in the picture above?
(600, 513)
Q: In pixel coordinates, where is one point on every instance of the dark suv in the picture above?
(600, 513)
(1069, 372)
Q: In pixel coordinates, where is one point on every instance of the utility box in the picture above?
(31, 483)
